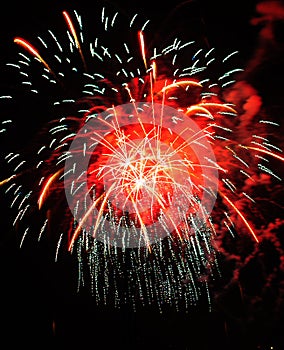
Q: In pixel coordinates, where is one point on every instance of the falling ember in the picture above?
(242, 217)
(142, 46)
(265, 151)
(140, 166)
(46, 188)
(73, 31)
(25, 44)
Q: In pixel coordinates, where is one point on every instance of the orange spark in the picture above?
(3, 182)
(154, 67)
(46, 187)
(264, 151)
(26, 45)
(198, 108)
(79, 227)
(74, 34)
(219, 105)
(89, 211)
(203, 107)
(180, 83)
(242, 217)
(142, 46)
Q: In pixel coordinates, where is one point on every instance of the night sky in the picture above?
(247, 312)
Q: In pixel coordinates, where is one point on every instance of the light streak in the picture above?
(25, 44)
(242, 217)
(46, 187)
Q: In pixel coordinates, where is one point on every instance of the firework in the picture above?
(140, 165)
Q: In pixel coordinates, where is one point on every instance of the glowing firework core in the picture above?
(148, 173)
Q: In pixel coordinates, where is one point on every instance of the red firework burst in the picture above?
(148, 160)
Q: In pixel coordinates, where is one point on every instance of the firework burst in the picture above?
(140, 166)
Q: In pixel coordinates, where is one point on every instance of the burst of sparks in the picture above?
(139, 167)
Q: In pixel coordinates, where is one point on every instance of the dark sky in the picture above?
(248, 311)
(230, 21)
(216, 16)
